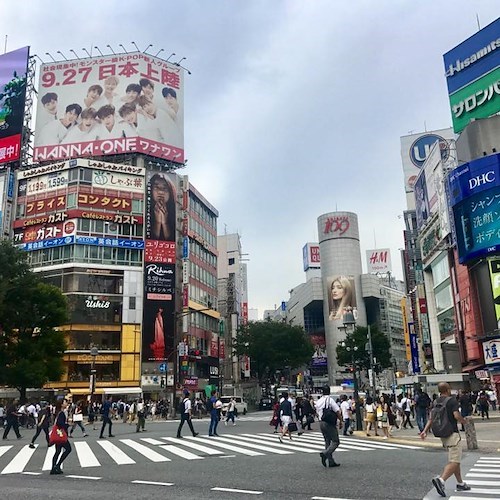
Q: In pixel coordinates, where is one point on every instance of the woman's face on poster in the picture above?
(160, 191)
(337, 290)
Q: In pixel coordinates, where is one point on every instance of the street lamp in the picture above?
(349, 322)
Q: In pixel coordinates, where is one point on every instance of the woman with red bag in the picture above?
(59, 437)
(275, 421)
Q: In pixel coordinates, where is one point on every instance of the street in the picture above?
(246, 460)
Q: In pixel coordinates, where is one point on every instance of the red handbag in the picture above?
(58, 435)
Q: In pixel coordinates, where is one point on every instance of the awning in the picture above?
(122, 390)
(80, 392)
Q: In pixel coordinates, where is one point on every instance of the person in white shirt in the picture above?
(186, 415)
(345, 407)
(108, 128)
(109, 96)
(86, 131)
(54, 132)
(141, 416)
(128, 122)
(406, 407)
(93, 95)
(49, 111)
(329, 415)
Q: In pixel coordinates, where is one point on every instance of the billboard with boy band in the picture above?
(107, 105)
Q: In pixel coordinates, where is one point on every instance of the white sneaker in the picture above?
(225, 422)
(234, 424)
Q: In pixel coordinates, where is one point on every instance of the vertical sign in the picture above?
(404, 312)
(159, 267)
(415, 362)
(495, 284)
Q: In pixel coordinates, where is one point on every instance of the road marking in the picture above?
(243, 442)
(214, 442)
(153, 483)
(151, 441)
(33, 473)
(483, 483)
(296, 445)
(484, 476)
(145, 451)
(86, 455)
(92, 478)
(490, 471)
(4, 449)
(180, 452)
(336, 498)
(47, 463)
(19, 462)
(487, 464)
(490, 458)
(227, 456)
(491, 492)
(232, 490)
(115, 453)
(194, 446)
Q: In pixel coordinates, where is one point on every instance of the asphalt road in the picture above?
(247, 460)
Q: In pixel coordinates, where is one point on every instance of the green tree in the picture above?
(272, 346)
(31, 350)
(356, 348)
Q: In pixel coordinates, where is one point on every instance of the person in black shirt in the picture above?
(61, 422)
(11, 416)
(451, 443)
(42, 425)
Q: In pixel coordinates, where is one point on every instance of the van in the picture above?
(241, 405)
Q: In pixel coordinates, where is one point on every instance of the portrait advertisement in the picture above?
(341, 294)
(319, 357)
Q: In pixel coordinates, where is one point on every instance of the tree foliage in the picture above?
(356, 348)
(272, 346)
(31, 350)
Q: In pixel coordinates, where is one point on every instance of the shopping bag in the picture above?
(273, 422)
(292, 427)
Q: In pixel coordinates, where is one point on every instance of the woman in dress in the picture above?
(370, 416)
(78, 419)
(383, 416)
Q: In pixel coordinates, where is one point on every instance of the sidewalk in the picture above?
(488, 435)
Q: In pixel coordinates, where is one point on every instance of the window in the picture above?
(71, 200)
(231, 261)
(137, 206)
(440, 270)
(131, 303)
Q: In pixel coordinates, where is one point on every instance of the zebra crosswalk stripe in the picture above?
(194, 446)
(86, 455)
(49, 455)
(269, 448)
(214, 442)
(298, 446)
(145, 451)
(115, 453)
(180, 452)
(19, 462)
(4, 449)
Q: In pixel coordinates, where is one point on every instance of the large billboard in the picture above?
(472, 75)
(341, 293)
(109, 105)
(414, 151)
(474, 190)
(310, 256)
(378, 261)
(13, 69)
(159, 267)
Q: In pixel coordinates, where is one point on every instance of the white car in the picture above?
(241, 406)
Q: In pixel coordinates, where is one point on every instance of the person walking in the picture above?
(465, 403)
(141, 416)
(446, 415)
(345, 407)
(43, 424)
(276, 416)
(230, 411)
(286, 415)
(78, 419)
(483, 402)
(383, 416)
(329, 414)
(92, 411)
(12, 416)
(107, 413)
(61, 423)
(214, 414)
(406, 408)
(307, 412)
(370, 416)
(186, 415)
(422, 405)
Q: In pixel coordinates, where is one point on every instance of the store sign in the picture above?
(310, 256)
(482, 374)
(44, 232)
(491, 351)
(379, 261)
(52, 204)
(50, 243)
(103, 202)
(43, 183)
(191, 382)
(97, 303)
(415, 361)
(117, 181)
(109, 242)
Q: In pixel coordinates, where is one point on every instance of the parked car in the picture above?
(265, 403)
(241, 405)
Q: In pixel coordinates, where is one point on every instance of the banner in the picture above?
(110, 104)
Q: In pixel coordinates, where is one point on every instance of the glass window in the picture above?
(131, 303)
(137, 206)
(444, 299)
(440, 270)
(71, 200)
(84, 225)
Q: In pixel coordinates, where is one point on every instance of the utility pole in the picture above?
(371, 374)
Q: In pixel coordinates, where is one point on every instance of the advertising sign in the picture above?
(474, 190)
(338, 225)
(108, 105)
(494, 265)
(415, 361)
(319, 358)
(310, 256)
(43, 183)
(38, 233)
(159, 267)
(341, 294)
(120, 182)
(472, 74)
(414, 151)
(13, 70)
(379, 261)
(405, 316)
(491, 351)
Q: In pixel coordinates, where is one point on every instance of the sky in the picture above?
(294, 108)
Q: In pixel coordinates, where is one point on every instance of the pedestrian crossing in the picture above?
(483, 478)
(126, 451)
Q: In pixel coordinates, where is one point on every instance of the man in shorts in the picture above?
(451, 443)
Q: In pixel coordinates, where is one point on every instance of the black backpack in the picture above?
(182, 407)
(329, 416)
(441, 425)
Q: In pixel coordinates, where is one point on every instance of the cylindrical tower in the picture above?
(338, 236)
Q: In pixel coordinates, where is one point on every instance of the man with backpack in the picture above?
(422, 403)
(443, 421)
(186, 414)
(329, 415)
